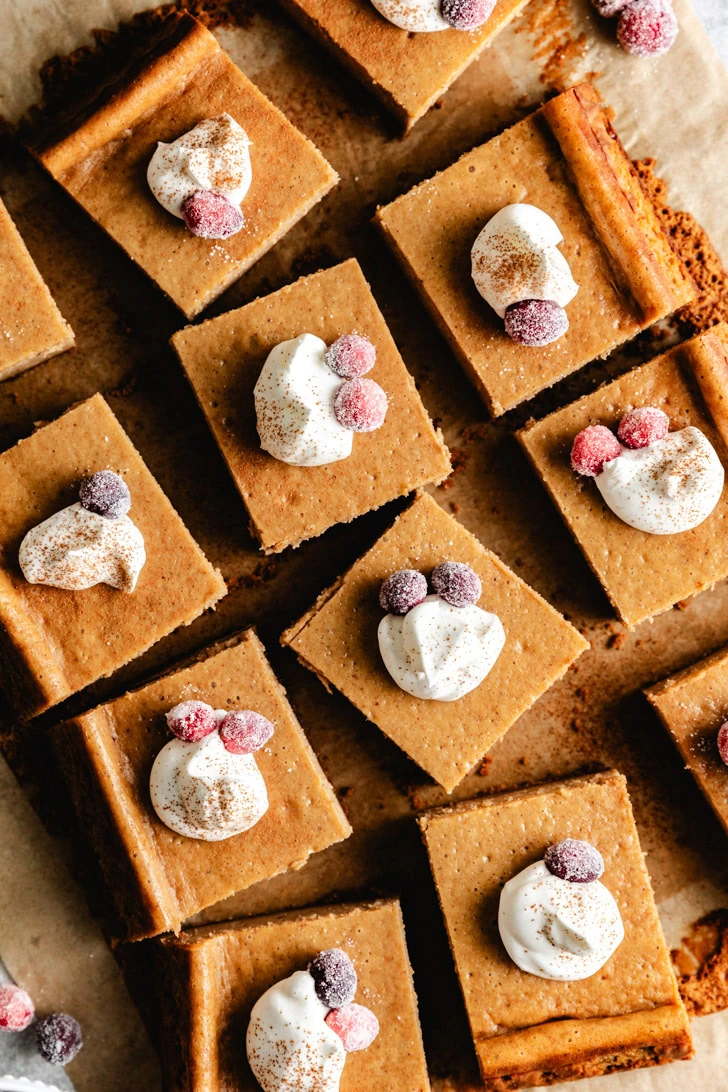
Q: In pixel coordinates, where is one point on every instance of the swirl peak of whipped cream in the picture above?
(556, 929)
(214, 157)
(516, 257)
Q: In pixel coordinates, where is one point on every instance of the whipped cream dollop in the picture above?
(294, 405)
(214, 156)
(414, 15)
(668, 487)
(439, 651)
(557, 929)
(75, 549)
(516, 257)
(202, 790)
(290, 1046)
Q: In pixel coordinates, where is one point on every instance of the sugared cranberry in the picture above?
(59, 1038)
(723, 742)
(641, 427)
(593, 447)
(402, 591)
(244, 731)
(647, 28)
(191, 720)
(608, 8)
(360, 405)
(457, 584)
(467, 14)
(356, 1026)
(16, 1008)
(106, 494)
(536, 322)
(575, 861)
(211, 216)
(335, 978)
(351, 356)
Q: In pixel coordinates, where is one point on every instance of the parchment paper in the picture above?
(675, 109)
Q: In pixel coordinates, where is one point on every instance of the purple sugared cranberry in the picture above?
(360, 405)
(575, 861)
(59, 1038)
(334, 977)
(647, 28)
(402, 591)
(191, 720)
(456, 583)
(641, 427)
(467, 14)
(211, 216)
(723, 742)
(356, 1026)
(592, 449)
(16, 1008)
(351, 356)
(609, 8)
(244, 731)
(536, 322)
(106, 494)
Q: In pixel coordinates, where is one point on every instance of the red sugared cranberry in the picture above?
(457, 584)
(191, 720)
(467, 14)
(59, 1038)
(351, 356)
(402, 591)
(244, 731)
(608, 8)
(356, 1026)
(641, 427)
(335, 978)
(723, 742)
(575, 861)
(535, 322)
(211, 216)
(16, 1008)
(647, 28)
(106, 494)
(593, 447)
(360, 405)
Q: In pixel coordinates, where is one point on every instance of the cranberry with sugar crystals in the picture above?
(723, 742)
(456, 583)
(334, 977)
(641, 427)
(211, 216)
(608, 8)
(16, 1008)
(647, 28)
(592, 448)
(191, 720)
(360, 405)
(59, 1038)
(351, 356)
(356, 1026)
(535, 322)
(575, 861)
(106, 494)
(244, 731)
(467, 14)
(402, 591)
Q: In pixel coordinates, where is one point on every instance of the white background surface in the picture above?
(714, 14)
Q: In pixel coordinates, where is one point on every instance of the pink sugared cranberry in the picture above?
(16, 1008)
(191, 720)
(360, 405)
(59, 1038)
(723, 742)
(593, 447)
(334, 977)
(351, 356)
(244, 731)
(402, 591)
(575, 861)
(647, 28)
(456, 583)
(641, 427)
(608, 8)
(211, 216)
(467, 14)
(535, 322)
(356, 1026)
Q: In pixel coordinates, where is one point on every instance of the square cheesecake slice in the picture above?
(566, 160)
(55, 642)
(693, 706)
(159, 878)
(406, 71)
(287, 504)
(102, 162)
(642, 573)
(337, 639)
(211, 977)
(32, 329)
(530, 1030)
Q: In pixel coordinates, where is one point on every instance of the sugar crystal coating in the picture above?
(402, 591)
(642, 426)
(335, 978)
(244, 731)
(456, 583)
(575, 861)
(59, 1038)
(723, 742)
(191, 720)
(211, 216)
(360, 405)
(592, 448)
(535, 322)
(16, 1008)
(106, 494)
(608, 8)
(356, 1026)
(351, 356)
(467, 14)
(647, 28)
